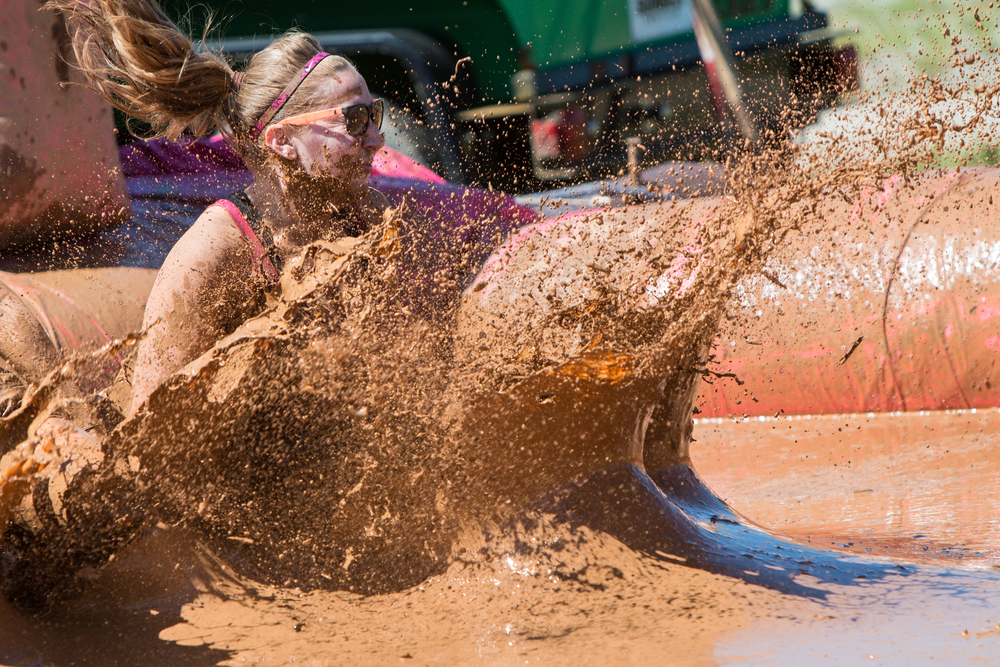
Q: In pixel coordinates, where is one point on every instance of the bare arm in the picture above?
(204, 290)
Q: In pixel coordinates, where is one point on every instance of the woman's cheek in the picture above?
(318, 159)
(336, 158)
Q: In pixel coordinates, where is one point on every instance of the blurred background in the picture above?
(530, 95)
(525, 95)
(536, 96)
(897, 43)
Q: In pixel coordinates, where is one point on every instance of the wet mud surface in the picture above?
(552, 594)
(918, 486)
(593, 599)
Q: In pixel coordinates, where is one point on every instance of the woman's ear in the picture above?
(276, 138)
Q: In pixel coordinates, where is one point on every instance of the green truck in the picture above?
(525, 95)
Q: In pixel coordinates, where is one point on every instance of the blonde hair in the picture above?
(142, 63)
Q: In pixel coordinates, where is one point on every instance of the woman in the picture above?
(303, 121)
(307, 127)
(305, 124)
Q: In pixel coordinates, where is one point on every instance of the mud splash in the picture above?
(411, 415)
(429, 438)
(546, 593)
(405, 422)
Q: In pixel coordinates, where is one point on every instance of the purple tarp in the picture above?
(170, 184)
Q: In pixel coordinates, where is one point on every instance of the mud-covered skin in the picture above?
(24, 345)
(400, 430)
(27, 355)
(324, 148)
(206, 286)
(314, 179)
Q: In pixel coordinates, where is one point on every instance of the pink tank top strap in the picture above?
(261, 255)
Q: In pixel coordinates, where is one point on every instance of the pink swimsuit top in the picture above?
(266, 262)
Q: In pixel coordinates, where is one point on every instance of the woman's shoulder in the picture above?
(222, 218)
(218, 227)
(213, 243)
(210, 270)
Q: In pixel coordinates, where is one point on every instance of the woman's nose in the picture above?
(373, 137)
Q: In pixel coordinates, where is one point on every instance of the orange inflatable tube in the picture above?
(892, 304)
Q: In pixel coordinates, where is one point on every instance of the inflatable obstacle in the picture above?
(891, 303)
(59, 171)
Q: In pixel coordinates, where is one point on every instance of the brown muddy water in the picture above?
(921, 488)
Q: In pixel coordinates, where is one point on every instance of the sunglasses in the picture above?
(356, 115)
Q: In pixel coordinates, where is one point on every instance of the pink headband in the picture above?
(285, 94)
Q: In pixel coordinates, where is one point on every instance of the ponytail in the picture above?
(142, 63)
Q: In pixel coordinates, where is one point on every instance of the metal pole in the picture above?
(719, 66)
(634, 156)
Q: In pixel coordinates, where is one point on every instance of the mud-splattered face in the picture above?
(324, 147)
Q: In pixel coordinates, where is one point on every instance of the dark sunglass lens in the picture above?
(357, 119)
